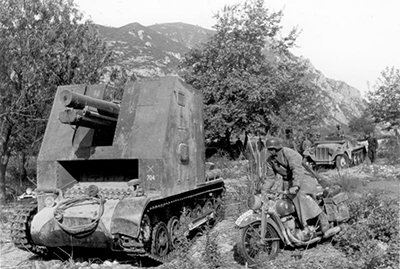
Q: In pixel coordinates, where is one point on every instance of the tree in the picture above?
(384, 100)
(363, 125)
(248, 77)
(43, 44)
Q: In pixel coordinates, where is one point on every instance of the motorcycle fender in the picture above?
(246, 218)
(277, 229)
(249, 217)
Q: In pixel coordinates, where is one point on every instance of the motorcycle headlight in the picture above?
(254, 202)
(49, 201)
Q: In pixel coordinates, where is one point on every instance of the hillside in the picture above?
(157, 50)
(342, 100)
(185, 34)
(142, 50)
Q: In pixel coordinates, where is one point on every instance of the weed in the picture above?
(212, 255)
(348, 182)
(390, 151)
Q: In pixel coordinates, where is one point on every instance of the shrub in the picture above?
(212, 255)
(229, 168)
(371, 238)
(17, 182)
(349, 182)
(389, 150)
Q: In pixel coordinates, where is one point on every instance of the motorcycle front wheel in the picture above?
(254, 250)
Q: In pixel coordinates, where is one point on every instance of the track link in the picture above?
(20, 229)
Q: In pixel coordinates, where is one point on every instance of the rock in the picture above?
(55, 265)
(108, 263)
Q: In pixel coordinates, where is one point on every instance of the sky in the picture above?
(348, 40)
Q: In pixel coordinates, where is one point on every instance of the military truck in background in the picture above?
(121, 176)
(333, 151)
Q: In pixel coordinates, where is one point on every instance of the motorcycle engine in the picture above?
(284, 207)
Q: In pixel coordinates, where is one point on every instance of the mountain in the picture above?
(157, 50)
(343, 101)
(142, 50)
(186, 34)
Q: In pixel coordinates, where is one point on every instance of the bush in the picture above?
(17, 182)
(349, 182)
(389, 150)
(372, 238)
(229, 168)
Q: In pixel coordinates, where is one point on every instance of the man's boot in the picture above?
(323, 222)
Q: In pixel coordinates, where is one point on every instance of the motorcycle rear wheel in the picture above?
(249, 245)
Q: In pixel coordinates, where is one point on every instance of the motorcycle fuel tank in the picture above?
(284, 207)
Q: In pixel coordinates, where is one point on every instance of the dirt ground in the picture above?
(377, 176)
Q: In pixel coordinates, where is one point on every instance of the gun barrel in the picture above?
(80, 101)
(86, 119)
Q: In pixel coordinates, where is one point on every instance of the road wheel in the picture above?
(250, 246)
(174, 231)
(160, 240)
(219, 210)
(197, 212)
(208, 207)
(342, 161)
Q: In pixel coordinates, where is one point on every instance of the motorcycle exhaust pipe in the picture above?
(299, 242)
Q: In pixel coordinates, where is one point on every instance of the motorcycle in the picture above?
(271, 223)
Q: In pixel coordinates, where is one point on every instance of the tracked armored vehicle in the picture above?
(121, 175)
(339, 152)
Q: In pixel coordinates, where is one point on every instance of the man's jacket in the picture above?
(288, 164)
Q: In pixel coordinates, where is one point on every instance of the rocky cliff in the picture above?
(343, 101)
(157, 50)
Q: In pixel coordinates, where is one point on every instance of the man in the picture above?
(260, 144)
(299, 183)
(372, 147)
(317, 136)
(339, 132)
(306, 145)
(239, 146)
